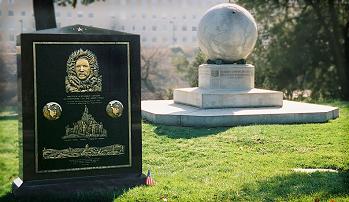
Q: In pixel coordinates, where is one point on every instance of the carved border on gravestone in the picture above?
(35, 43)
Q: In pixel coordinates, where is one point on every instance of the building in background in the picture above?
(160, 23)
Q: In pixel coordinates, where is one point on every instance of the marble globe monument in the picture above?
(227, 35)
(227, 32)
(226, 95)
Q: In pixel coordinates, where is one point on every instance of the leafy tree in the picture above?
(188, 69)
(303, 45)
(149, 63)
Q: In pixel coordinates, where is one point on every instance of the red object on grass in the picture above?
(149, 181)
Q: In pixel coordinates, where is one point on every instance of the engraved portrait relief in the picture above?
(83, 72)
(52, 111)
(114, 109)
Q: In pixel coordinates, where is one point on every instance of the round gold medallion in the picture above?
(52, 111)
(114, 109)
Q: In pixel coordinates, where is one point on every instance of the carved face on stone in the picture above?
(82, 68)
(52, 111)
(83, 72)
(114, 109)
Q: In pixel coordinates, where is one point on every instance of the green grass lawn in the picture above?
(247, 163)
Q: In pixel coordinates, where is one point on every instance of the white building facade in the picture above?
(160, 23)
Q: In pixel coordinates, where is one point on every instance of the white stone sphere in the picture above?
(227, 32)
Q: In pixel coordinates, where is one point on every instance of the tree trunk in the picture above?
(44, 14)
(346, 53)
(334, 37)
(339, 54)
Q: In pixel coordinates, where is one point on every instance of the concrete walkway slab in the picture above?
(169, 113)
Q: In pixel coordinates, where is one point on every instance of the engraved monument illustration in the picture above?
(83, 72)
(87, 127)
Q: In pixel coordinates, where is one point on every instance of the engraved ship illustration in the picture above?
(87, 128)
(87, 151)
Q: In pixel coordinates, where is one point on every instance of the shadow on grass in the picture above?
(323, 186)
(102, 196)
(176, 132)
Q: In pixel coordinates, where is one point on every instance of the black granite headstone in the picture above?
(80, 121)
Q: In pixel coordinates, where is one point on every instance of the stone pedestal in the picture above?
(212, 98)
(227, 85)
(227, 76)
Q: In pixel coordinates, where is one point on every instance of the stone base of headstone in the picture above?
(74, 187)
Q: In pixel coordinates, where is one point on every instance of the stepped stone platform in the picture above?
(169, 113)
(225, 98)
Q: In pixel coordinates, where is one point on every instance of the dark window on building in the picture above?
(154, 28)
(11, 13)
(194, 28)
(184, 28)
(80, 15)
(23, 13)
(90, 15)
(144, 28)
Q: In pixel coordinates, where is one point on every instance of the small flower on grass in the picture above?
(164, 198)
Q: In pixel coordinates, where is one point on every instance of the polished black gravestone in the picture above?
(80, 121)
